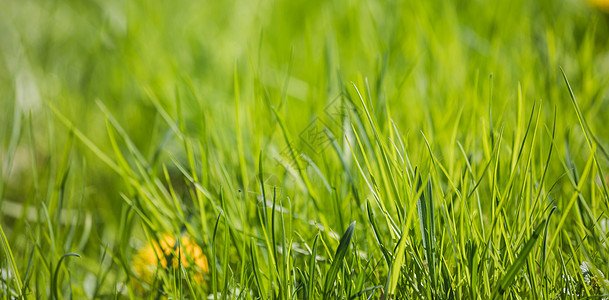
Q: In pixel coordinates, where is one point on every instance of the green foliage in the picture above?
(467, 141)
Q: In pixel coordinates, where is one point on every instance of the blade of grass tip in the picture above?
(587, 134)
(341, 251)
(510, 275)
(54, 287)
(312, 272)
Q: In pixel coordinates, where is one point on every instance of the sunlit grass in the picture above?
(304, 150)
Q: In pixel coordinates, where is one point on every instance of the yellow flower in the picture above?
(600, 4)
(165, 255)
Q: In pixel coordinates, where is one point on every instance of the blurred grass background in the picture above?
(71, 53)
(430, 61)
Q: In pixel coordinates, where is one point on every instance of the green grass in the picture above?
(345, 149)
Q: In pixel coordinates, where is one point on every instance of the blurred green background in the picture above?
(71, 53)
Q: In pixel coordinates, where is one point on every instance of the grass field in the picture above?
(348, 149)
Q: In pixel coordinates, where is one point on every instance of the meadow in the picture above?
(272, 149)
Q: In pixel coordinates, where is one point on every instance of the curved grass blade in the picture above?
(377, 235)
(588, 135)
(54, 287)
(341, 251)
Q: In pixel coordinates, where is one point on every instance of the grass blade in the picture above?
(337, 262)
(510, 275)
(312, 271)
(54, 288)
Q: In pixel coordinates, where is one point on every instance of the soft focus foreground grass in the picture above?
(263, 129)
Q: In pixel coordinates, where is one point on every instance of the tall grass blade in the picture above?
(510, 274)
(337, 262)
